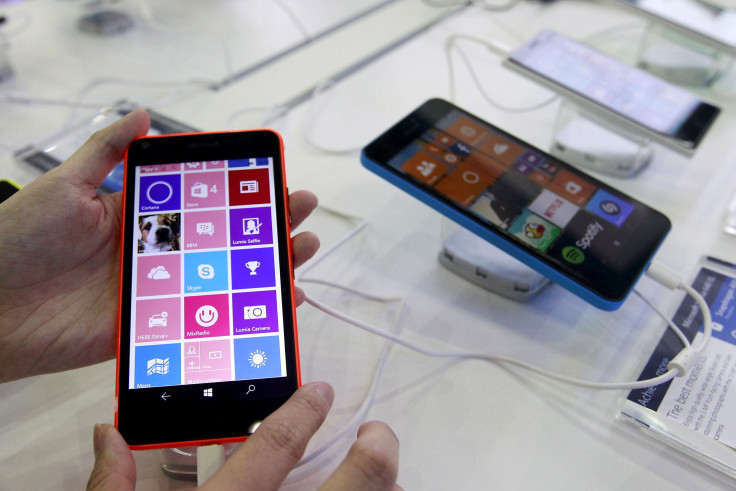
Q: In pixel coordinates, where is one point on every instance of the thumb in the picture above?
(104, 150)
(114, 465)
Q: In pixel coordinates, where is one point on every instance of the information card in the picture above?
(697, 412)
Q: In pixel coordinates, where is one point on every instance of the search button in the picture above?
(251, 388)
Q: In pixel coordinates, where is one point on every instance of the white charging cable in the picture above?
(496, 47)
(313, 461)
(660, 273)
(679, 366)
(685, 359)
(500, 6)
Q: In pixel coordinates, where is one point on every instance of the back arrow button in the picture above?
(165, 396)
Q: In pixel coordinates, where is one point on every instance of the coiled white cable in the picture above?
(313, 461)
(495, 47)
(678, 367)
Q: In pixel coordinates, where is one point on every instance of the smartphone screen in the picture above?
(208, 343)
(572, 228)
(675, 116)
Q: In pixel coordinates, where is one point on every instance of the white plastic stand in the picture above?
(588, 141)
(180, 463)
(680, 59)
(487, 266)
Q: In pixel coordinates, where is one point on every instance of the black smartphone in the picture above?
(625, 95)
(207, 338)
(578, 231)
(7, 189)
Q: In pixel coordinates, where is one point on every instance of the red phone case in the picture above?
(285, 197)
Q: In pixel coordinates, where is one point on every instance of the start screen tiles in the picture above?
(518, 190)
(205, 289)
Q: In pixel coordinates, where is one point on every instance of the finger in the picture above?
(304, 246)
(114, 465)
(266, 458)
(299, 296)
(372, 462)
(301, 204)
(104, 150)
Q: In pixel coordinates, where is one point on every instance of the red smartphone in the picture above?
(207, 335)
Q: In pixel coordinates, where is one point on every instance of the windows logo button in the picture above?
(573, 255)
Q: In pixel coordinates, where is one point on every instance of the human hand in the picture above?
(59, 294)
(266, 458)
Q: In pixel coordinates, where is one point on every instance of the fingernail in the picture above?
(325, 391)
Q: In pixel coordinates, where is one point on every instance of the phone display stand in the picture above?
(588, 141)
(472, 258)
(680, 59)
(181, 462)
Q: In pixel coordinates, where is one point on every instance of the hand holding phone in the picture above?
(274, 450)
(208, 342)
(65, 207)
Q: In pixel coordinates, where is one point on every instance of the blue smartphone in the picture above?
(579, 232)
